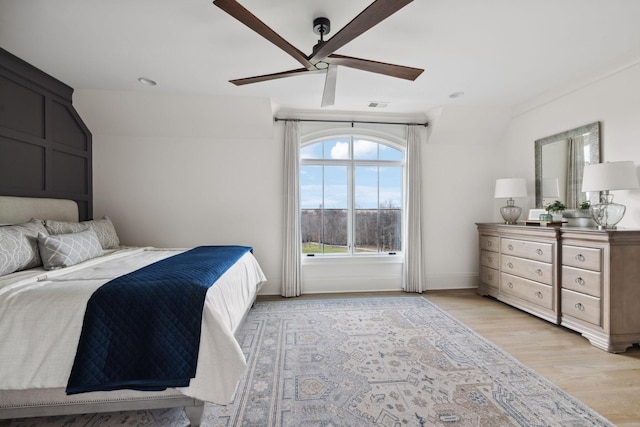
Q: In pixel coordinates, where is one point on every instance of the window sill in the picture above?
(398, 258)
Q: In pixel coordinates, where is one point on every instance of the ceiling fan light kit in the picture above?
(323, 57)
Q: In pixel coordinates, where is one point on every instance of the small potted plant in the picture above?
(555, 209)
(585, 205)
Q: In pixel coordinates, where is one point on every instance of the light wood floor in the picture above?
(608, 383)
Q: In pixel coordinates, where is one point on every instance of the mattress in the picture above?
(41, 316)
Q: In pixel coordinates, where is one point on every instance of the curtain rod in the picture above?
(348, 121)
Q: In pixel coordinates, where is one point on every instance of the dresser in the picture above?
(584, 279)
(519, 266)
(601, 286)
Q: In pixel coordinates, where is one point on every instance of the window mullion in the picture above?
(351, 203)
(379, 219)
(322, 215)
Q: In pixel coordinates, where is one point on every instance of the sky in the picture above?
(374, 185)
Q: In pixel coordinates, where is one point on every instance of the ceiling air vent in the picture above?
(378, 104)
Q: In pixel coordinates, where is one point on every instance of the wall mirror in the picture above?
(560, 161)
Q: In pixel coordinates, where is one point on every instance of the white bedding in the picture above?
(41, 316)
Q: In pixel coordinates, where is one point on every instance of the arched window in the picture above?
(351, 196)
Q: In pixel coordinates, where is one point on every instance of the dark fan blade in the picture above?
(234, 9)
(372, 15)
(264, 78)
(329, 94)
(392, 70)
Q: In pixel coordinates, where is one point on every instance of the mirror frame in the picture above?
(593, 140)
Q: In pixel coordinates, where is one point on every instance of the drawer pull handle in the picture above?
(539, 294)
(539, 272)
(510, 285)
(489, 244)
(510, 247)
(510, 265)
(580, 257)
(490, 277)
(580, 281)
(579, 306)
(539, 251)
(490, 259)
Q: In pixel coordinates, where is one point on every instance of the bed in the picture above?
(41, 321)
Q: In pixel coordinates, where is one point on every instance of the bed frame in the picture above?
(47, 402)
(47, 152)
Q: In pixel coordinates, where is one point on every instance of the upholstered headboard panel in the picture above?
(16, 210)
(45, 147)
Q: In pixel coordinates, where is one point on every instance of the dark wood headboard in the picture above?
(45, 147)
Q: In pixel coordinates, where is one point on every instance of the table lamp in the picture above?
(510, 188)
(606, 177)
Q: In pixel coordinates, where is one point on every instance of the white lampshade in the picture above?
(609, 176)
(605, 177)
(511, 187)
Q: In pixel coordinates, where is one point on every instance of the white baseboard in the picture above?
(272, 287)
(451, 281)
(374, 284)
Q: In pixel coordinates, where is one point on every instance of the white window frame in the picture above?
(351, 163)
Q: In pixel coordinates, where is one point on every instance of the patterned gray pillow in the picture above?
(65, 250)
(104, 229)
(19, 246)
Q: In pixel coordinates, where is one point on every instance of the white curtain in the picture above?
(575, 167)
(291, 271)
(414, 265)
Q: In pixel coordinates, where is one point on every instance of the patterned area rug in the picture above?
(389, 361)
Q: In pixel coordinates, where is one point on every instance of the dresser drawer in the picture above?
(489, 276)
(532, 250)
(490, 259)
(489, 243)
(581, 307)
(579, 280)
(581, 257)
(527, 290)
(533, 270)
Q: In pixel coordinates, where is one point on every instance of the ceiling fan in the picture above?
(323, 58)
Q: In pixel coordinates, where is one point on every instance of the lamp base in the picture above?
(510, 213)
(606, 213)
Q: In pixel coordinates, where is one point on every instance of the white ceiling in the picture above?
(498, 52)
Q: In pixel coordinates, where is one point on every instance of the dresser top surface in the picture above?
(627, 235)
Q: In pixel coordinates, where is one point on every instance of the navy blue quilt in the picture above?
(141, 330)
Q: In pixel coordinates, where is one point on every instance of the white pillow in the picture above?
(65, 250)
(104, 229)
(19, 246)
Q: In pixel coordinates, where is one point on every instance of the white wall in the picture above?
(458, 193)
(612, 99)
(459, 172)
(180, 171)
(469, 147)
(176, 170)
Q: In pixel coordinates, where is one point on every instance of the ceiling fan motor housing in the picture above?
(321, 26)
